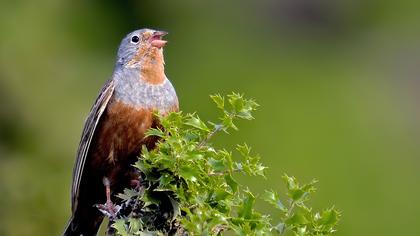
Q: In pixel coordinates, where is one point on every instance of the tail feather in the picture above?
(70, 230)
(80, 226)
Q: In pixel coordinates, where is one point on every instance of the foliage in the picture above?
(189, 187)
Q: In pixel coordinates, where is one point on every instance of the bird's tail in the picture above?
(82, 227)
(70, 229)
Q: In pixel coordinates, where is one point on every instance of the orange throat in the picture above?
(152, 67)
(151, 63)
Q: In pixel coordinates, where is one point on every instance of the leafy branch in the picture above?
(189, 187)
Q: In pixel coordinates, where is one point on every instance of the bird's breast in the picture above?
(121, 132)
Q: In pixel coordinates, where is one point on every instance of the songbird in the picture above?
(114, 131)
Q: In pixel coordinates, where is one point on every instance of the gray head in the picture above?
(140, 45)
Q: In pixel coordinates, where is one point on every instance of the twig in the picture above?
(216, 129)
(223, 172)
(289, 212)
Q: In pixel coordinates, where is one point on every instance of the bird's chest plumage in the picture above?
(120, 133)
(132, 89)
(122, 130)
(117, 143)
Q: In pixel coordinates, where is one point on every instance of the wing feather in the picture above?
(88, 131)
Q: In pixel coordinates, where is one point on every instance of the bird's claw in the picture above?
(109, 209)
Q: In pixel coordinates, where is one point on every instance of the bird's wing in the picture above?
(88, 132)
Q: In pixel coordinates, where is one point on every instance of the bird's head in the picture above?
(140, 47)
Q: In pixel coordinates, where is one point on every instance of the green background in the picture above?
(337, 82)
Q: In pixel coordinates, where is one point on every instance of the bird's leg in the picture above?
(109, 209)
(107, 185)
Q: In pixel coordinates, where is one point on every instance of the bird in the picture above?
(114, 131)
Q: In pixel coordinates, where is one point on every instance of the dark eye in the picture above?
(135, 39)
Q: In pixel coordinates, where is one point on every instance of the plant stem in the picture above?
(289, 212)
(223, 172)
(216, 129)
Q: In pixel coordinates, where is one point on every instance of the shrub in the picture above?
(190, 187)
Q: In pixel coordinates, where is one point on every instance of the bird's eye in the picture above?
(135, 39)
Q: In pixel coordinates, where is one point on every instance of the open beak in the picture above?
(156, 39)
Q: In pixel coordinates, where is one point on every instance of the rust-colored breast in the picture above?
(117, 143)
(120, 134)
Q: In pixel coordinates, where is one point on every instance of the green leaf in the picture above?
(134, 225)
(166, 162)
(242, 108)
(295, 191)
(173, 119)
(165, 179)
(290, 182)
(217, 165)
(227, 122)
(301, 231)
(189, 173)
(154, 132)
(329, 218)
(197, 123)
(219, 100)
(149, 198)
(273, 198)
(144, 167)
(128, 194)
(121, 227)
(297, 219)
(279, 227)
(221, 194)
(226, 157)
(232, 183)
(236, 101)
(245, 210)
(296, 194)
(181, 193)
(248, 107)
(243, 149)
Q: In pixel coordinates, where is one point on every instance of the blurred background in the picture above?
(337, 82)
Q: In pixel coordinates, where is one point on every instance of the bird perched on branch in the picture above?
(114, 131)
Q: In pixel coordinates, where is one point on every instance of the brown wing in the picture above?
(88, 132)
